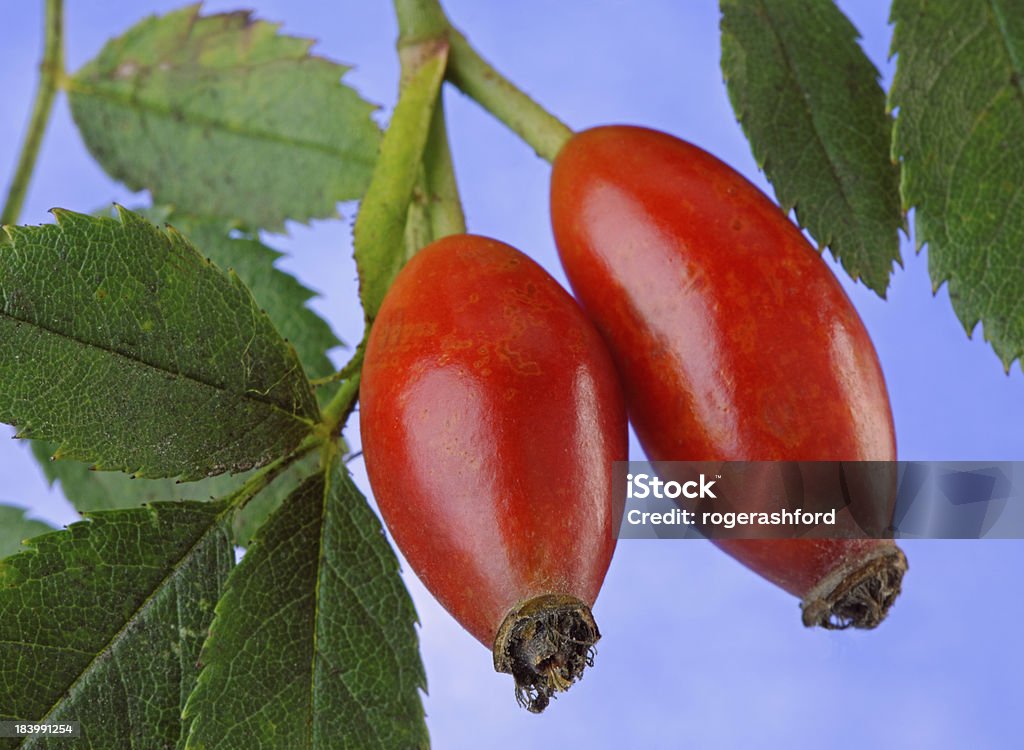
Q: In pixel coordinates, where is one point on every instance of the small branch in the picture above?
(351, 367)
(343, 402)
(50, 72)
(337, 412)
(326, 379)
(476, 78)
(444, 207)
(259, 482)
(419, 19)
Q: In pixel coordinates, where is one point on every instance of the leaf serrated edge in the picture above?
(328, 469)
(127, 219)
(764, 161)
(1007, 354)
(77, 84)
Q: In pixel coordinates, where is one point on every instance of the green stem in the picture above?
(259, 481)
(418, 232)
(51, 69)
(342, 403)
(419, 19)
(476, 78)
(444, 207)
(435, 210)
(351, 368)
(380, 226)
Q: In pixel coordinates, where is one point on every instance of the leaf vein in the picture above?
(808, 114)
(140, 610)
(134, 104)
(249, 393)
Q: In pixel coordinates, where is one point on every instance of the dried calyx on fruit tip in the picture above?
(545, 644)
(857, 597)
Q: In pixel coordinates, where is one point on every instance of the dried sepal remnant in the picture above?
(545, 645)
(857, 597)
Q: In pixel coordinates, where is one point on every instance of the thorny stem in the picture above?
(50, 71)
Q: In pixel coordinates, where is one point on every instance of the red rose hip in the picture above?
(491, 414)
(733, 339)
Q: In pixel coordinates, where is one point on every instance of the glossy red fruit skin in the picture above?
(490, 414)
(734, 340)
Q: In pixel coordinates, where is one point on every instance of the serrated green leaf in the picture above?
(221, 115)
(280, 295)
(313, 645)
(89, 490)
(102, 623)
(136, 353)
(959, 87)
(283, 299)
(811, 106)
(14, 527)
(380, 231)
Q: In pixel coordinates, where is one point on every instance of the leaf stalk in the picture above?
(262, 479)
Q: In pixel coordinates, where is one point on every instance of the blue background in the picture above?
(697, 651)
